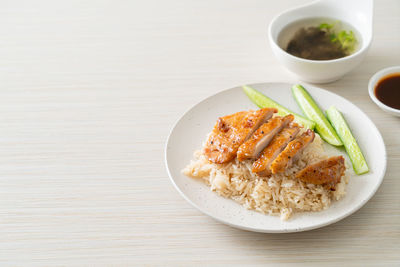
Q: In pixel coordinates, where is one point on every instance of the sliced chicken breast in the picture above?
(292, 151)
(231, 131)
(275, 147)
(328, 171)
(252, 148)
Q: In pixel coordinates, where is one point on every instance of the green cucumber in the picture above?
(312, 111)
(263, 101)
(350, 144)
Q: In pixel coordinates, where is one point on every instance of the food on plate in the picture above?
(263, 101)
(231, 131)
(266, 162)
(328, 171)
(313, 112)
(292, 152)
(252, 148)
(323, 42)
(350, 144)
(332, 129)
(262, 165)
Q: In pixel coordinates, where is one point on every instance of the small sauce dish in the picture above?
(375, 80)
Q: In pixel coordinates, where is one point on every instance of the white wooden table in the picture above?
(89, 91)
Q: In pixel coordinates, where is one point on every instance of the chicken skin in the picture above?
(328, 171)
(292, 151)
(233, 130)
(252, 148)
(275, 147)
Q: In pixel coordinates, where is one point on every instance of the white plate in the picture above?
(191, 130)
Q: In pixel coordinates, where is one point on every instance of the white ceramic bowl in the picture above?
(371, 88)
(357, 13)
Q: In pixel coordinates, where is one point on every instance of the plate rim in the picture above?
(252, 229)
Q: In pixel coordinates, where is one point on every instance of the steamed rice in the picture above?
(280, 195)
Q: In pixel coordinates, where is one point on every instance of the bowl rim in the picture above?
(361, 51)
(373, 81)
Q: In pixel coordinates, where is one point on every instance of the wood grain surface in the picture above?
(89, 91)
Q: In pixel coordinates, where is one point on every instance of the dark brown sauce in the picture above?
(387, 90)
(315, 44)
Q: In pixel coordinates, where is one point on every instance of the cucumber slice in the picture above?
(312, 111)
(353, 150)
(263, 101)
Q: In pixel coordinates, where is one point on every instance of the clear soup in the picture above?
(319, 39)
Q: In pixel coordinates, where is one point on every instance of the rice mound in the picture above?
(279, 195)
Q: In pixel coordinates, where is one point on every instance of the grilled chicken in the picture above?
(328, 171)
(292, 151)
(231, 131)
(252, 148)
(277, 144)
